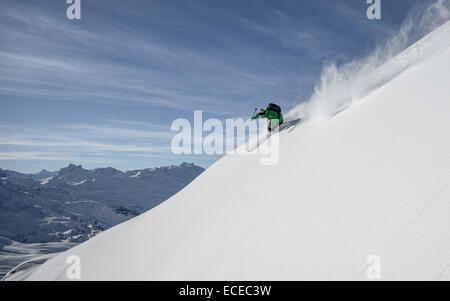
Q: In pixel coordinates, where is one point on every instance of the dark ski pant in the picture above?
(273, 123)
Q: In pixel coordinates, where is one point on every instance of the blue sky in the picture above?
(104, 90)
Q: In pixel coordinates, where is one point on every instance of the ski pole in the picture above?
(254, 113)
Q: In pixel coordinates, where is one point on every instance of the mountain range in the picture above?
(74, 204)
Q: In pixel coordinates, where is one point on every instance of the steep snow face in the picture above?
(342, 86)
(371, 181)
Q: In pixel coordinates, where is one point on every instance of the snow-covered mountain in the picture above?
(370, 182)
(18, 255)
(74, 203)
(50, 212)
(43, 174)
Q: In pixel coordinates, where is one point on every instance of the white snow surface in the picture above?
(371, 180)
(46, 180)
(136, 174)
(79, 183)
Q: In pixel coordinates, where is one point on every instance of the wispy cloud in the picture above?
(84, 63)
(80, 141)
(85, 90)
(51, 156)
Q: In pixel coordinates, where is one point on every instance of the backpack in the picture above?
(274, 107)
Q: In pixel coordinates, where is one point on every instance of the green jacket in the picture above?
(269, 114)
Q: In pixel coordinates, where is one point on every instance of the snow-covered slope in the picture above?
(372, 180)
(26, 256)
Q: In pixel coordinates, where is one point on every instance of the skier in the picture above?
(273, 113)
